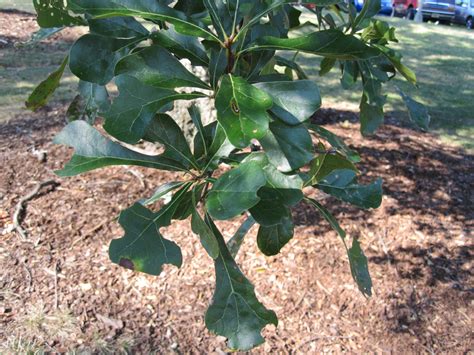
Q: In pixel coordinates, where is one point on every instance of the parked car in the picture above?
(385, 6)
(464, 13)
(405, 8)
(439, 10)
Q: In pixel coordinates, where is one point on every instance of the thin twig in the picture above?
(18, 216)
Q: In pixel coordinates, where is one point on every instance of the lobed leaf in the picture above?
(235, 311)
(143, 248)
(93, 151)
(135, 107)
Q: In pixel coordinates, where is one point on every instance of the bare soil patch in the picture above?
(60, 292)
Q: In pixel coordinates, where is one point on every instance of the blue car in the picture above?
(385, 6)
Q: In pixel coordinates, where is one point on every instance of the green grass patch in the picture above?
(443, 59)
(22, 5)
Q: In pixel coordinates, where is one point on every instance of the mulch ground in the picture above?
(59, 291)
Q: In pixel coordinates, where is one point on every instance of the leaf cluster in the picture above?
(263, 133)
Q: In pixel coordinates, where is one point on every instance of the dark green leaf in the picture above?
(288, 147)
(203, 138)
(208, 239)
(242, 110)
(349, 74)
(329, 217)
(342, 184)
(147, 9)
(137, 104)
(93, 57)
(359, 268)
(155, 66)
(163, 129)
(41, 94)
(235, 311)
(326, 65)
(327, 43)
(327, 163)
(396, 59)
(217, 65)
(371, 117)
(417, 112)
(143, 248)
(235, 242)
(292, 65)
(181, 45)
(94, 151)
(235, 191)
(336, 142)
(118, 27)
(271, 239)
(293, 101)
(92, 100)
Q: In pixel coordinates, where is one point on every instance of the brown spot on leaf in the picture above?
(127, 263)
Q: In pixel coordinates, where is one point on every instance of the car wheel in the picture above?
(470, 23)
(411, 13)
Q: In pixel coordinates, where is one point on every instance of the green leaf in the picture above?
(271, 239)
(133, 110)
(359, 268)
(370, 9)
(203, 138)
(147, 9)
(94, 151)
(417, 112)
(293, 101)
(208, 240)
(371, 117)
(155, 66)
(237, 239)
(287, 187)
(327, 43)
(163, 129)
(92, 100)
(217, 65)
(199, 227)
(342, 185)
(235, 191)
(396, 59)
(357, 259)
(235, 311)
(41, 94)
(242, 110)
(93, 57)
(327, 163)
(52, 13)
(336, 142)
(143, 248)
(183, 46)
(292, 65)
(329, 217)
(118, 27)
(288, 147)
(162, 191)
(220, 146)
(326, 65)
